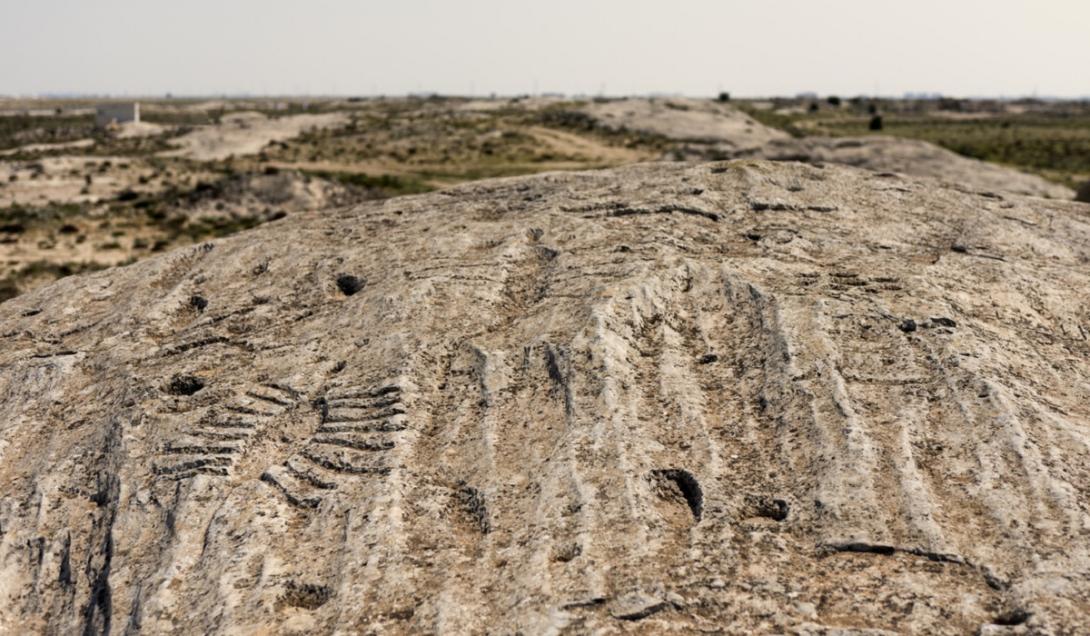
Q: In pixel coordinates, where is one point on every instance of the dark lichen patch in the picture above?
(767, 507)
(184, 385)
(471, 501)
(307, 596)
(567, 552)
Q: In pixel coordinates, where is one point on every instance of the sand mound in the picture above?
(247, 133)
(743, 397)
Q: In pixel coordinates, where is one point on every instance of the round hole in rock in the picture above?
(349, 284)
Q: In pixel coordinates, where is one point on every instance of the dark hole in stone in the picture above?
(959, 248)
(709, 358)
(306, 595)
(686, 485)
(866, 548)
(944, 322)
(1011, 618)
(198, 302)
(908, 325)
(185, 385)
(349, 284)
(68, 228)
(402, 614)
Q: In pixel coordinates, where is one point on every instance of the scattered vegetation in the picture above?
(385, 185)
(1056, 147)
(20, 280)
(145, 203)
(1052, 141)
(20, 130)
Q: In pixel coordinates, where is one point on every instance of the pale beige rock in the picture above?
(659, 399)
(683, 119)
(715, 130)
(915, 158)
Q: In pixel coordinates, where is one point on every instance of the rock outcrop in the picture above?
(687, 120)
(914, 158)
(741, 397)
(708, 130)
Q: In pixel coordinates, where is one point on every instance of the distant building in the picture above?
(106, 114)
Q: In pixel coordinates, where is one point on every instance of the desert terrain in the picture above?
(546, 366)
(75, 198)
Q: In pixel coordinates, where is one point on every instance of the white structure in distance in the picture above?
(108, 114)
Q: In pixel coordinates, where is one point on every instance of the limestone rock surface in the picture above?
(737, 397)
(915, 158)
(679, 119)
(712, 130)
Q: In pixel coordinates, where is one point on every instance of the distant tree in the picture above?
(834, 101)
(814, 107)
(724, 97)
(876, 122)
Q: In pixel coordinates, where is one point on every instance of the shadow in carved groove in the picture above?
(218, 439)
(677, 484)
(357, 427)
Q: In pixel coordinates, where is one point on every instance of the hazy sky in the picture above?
(698, 47)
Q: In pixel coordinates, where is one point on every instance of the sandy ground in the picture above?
(31, 148)
(73, 179)
(246, 133)
(135, 129)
